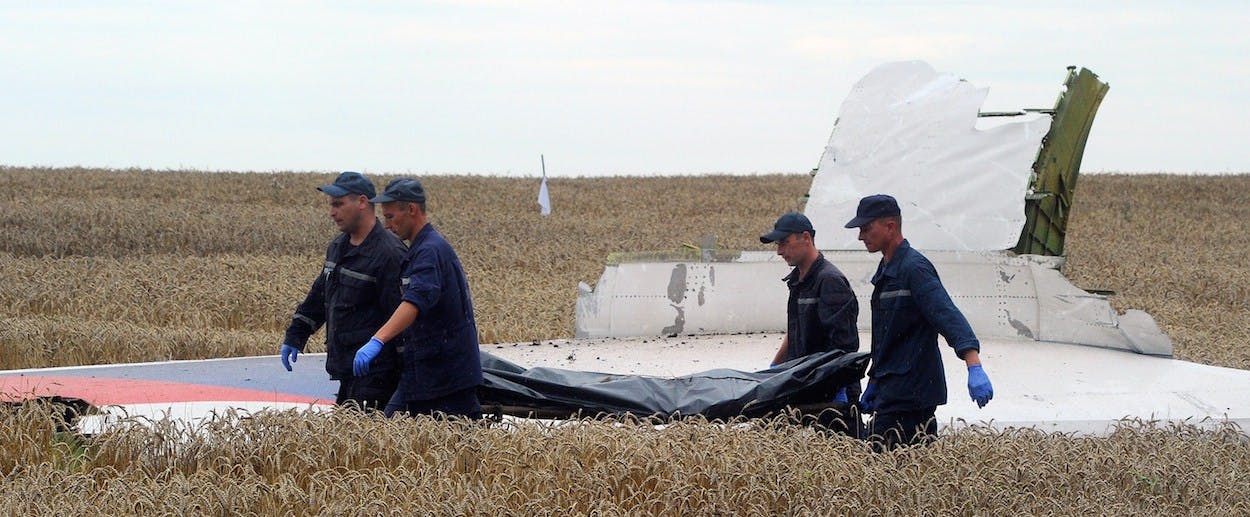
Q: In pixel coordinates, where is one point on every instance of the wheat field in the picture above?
(127, 266)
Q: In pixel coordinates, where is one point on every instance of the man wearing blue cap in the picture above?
(822, 310)
(433, 329)
(354, 294)
(910, 307)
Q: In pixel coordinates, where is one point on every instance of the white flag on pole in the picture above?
(544, 200)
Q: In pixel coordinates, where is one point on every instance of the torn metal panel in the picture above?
(1002, 295)
(186, 391)
(1059, 163)
(911, 132)
(677, 298)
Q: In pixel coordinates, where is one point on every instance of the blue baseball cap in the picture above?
(349, 183)
(872, 208)
(401, 189)
(788, 223)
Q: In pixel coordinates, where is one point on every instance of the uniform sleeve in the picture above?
(422, 283)
(839, 310)
(936, 306)
(309, 315)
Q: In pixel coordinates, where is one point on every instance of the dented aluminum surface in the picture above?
(1002, 295)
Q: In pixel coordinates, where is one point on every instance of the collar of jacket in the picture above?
(424, 232)
(792, 279)
(891, 268)
(345, 239)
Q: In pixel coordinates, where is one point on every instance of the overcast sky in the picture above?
(636, 87)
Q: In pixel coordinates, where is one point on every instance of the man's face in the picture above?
(875, 235)
(793, 247)
(349, 212)
(400, 218)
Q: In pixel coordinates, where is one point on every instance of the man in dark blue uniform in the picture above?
(433, 329)
(822, 310)
(910, 307)
(353, 296)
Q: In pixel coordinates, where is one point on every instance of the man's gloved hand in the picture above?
(841, 396)
(868, 402)
(360, 367)
(979, 386)
(290, 355)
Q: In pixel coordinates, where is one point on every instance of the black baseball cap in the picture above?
(401, 189)
(788, 223)
(872, 208)
(349, 183)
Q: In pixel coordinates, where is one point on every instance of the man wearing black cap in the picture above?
(433, 329)
(822, 310)
(910, 307)
(353, 296)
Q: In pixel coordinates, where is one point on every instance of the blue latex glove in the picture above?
(868, 402)
(979, 386)
(841, 396)
(290, 355)
(360, 367)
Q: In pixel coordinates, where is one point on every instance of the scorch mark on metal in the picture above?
(1020, 327)
(677, 284)
(1002, 275)
(679, 323)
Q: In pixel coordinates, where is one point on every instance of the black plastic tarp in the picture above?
(715, 394)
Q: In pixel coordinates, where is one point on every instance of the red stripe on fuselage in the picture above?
(99, 391)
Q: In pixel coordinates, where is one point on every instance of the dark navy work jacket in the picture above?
(910, 307)
(440, 350)
(822, 311)
(356, 292)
